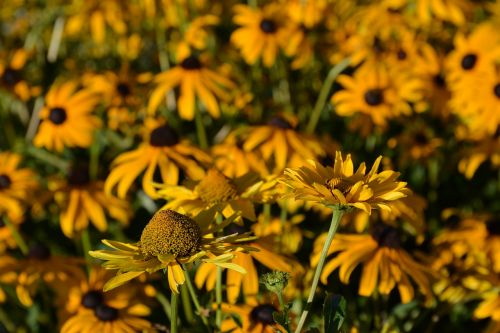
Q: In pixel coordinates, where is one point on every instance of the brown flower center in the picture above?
(169, 232)
(93, 298)
(191, 63)
(5, 182)
(268, 26)
(496, 90)
(339, 183)
(374, 97)
(79, 175)
(163, 136)
(493, 226)
(263, 313)
(216, 188)
(39, 252)
(469, 61)
(123, 89)
(57, 115)
(11, 76)
(279, 122)
(106, 313)
(386, 236)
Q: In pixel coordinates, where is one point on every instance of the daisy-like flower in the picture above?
(482, 151)
(376, 92)
(254, 317)
(385, 264)
(167, 242)
(195, 80)
(281, 144)
(247, 283)
(83, 201)
(340, 185)
(40, 265)
(16, 185)
(445, 10)
(417, 142)
(216, 193)
(162, 150)
(11, 76)
(490, 308)
(262, 32)
(8, 274)
(120, 95)
(67, 118)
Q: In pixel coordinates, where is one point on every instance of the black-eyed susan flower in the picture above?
(16, 186)
(216, 193)
(417, 142)
(262, 32)
(167, 242)
(12, 78)
(281, 144)
(196, 80)
(374, 91)
(340, 185)
(67, 119)
(8, 274)
(252, 317)
(386, 265)
(247, 284)
(83, 200)
(161, 150)
(452, 11)
(490, 308)
(120, 94)
(487, 149)
(41, 266)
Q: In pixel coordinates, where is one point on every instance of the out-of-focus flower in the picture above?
(83, 200)
(340, 185)
(167, 242)
(162, 150)
(281, 144)
(195, 80)
(386, 264)
(67, 119)
(445, 10)
(12, 78)
(482, 151)
(262, 32)
(490, 308)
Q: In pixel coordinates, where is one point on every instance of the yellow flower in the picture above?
(16, 186)
(254, 317)
(377, 92)
(385, 264)
(67, 118)
(490, 308)
(167, 242)
(340, 185)
(83, 201)
(281, 145)
(162, 150)
(215, 193)
(482, 151)
(8, 274)
(262, 32)
(12, 78)
(195, 80)
(446, 10)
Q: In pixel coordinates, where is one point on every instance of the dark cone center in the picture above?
(402, 55)
(106, 313)
(39, 252)
(57, 115)
(374, 97)
(280, 123)
(496, 90)
(439, 80)
(163, 136)
(469, 61)
(79, 175)
(268, 26)
(5, 182)
(191, 63)
(92, 299)
(123, 89)
(386, 236)
(421, 138)
(493, 226)
(11, 76)
(263, 313)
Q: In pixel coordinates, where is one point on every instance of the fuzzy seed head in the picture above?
(216, 188)
(169, 232)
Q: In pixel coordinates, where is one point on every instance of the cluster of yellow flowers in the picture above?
(154, 148)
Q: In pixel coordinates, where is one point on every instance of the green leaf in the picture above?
(334, 311)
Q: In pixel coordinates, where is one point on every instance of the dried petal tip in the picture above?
(169, 232)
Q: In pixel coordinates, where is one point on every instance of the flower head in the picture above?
(340, 185)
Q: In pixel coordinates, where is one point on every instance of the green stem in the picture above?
(49, 158)
(284, 309)
(167, 308)
(194, 298)
(17, 236)
(200, 129)
(338, 211)
(323, 94)
(267, 213)
(186, 304)
(86, 247)
(94, 159)
(173, 312)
